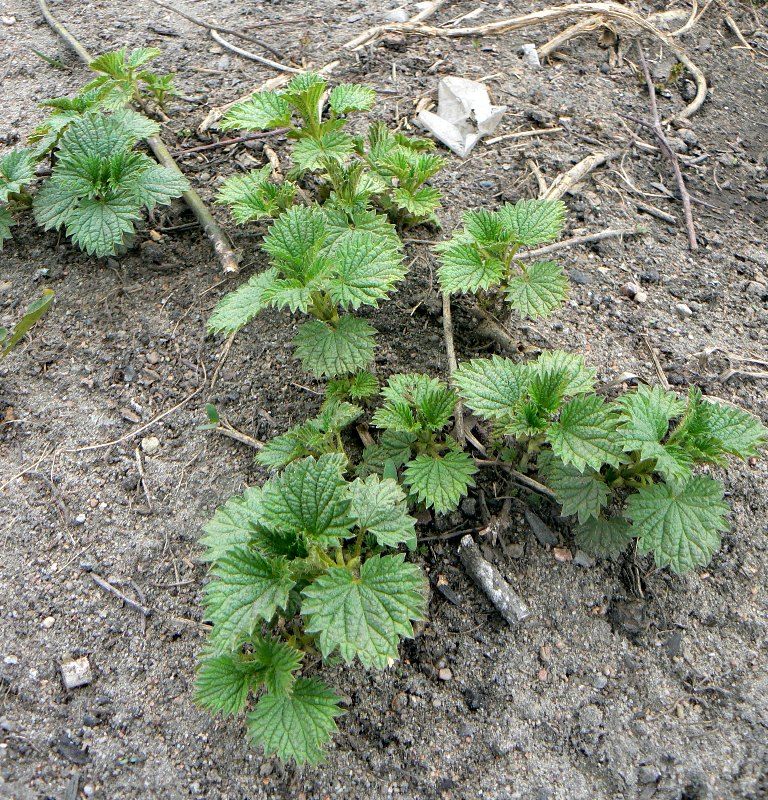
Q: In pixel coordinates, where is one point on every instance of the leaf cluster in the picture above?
(483, 256)
(301, 566)
(625, 468)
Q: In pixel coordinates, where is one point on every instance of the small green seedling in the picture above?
(9, 339)
(17, 170)
(122, 79)
(100, 183)
(483, 257)
(324, 267)
(624, 469)
(413, 419)
(300, 568)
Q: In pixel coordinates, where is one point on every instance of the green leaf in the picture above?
(100, 226)
(365, 616)
(289, 293)
(393, 448)
(586, 434)
(379, 507)
(679, 524)
(238, 308)
(539, 290)
(734, 431)
(247, 589)
(312, 153)
(17, 168)
(584, 494)
(141, 56)
(253, 196)
(159, 185)
(351, 97)
(421, 202)
(222, 684)
(275, 662)
(532, 222)
(645, 415)
(414, 401)
(574, 377)
(135, 124)
(305, 93)
(604, 537)
(464, 269)
(112, 63)
(485, 227)
(310, 497)
(366, 269)
(672, 462)
(6, 223)
(440, 481)
(329, 350)
(361, 386)
(294, 240)
(233, 525)
(492, 387)
(296, 725)
(261, 112)
(297, 442)
(31, 317)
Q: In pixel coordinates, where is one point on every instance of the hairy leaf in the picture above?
(679, 524)
(440, 481)
(539, 290)
(492, 387)
(296, 725)
(253, 196)
(645, 415)
(238, 308)
(274, 663)
(312, 153)
(223, 683)
(365, 616)
(584, 494)
(335, 350)
(464, 268)
(351, 97)
(604, 537)
(233, 524)
(17, 168)
(379, 507)
(532, 222)
(261, 112)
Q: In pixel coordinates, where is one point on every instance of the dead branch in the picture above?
(217, 37)
(571, 32)
(221, 243)
(565, 182)
(589, 238)
(519, 478)
(489, 579)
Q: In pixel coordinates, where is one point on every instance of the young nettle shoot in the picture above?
(100, 183)
(10, 338)
(300, 567)
(17, 170)
(354, 173)
(413, 419)
(624, 469)
(483, 257)
(324, 268)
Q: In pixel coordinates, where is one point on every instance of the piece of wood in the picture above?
(489, 579)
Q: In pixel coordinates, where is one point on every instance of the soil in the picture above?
(627, 683)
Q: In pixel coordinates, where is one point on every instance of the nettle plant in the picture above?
(483, 257)
(624, 469)
(100, 182)
(331, 256)
(302, 570)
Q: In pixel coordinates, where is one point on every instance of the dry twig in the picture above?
(108, 587)
(450, 350)
(268, 62)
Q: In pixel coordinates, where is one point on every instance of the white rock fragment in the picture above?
(48, 622)
(464, 115)
(396, 15)
(530, 55)
(76, 673)
(150, 445)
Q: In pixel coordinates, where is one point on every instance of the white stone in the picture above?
(76, 673)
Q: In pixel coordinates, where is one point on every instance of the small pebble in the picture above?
(48, 622)
(600, 682)
(582, 559)
(396, 15)
(562, 554)
(76, 673)
(445, 674)
(150, 445)
(80, 519)
(683, 310)
(648, 774)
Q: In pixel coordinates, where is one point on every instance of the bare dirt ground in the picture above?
(629, 683)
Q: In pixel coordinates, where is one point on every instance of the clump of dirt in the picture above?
(627, 682)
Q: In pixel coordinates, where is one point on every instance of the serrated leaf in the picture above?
(261, 112)
(413, 401)
(238, 308)
(419, 202)
(485, 227)
(233, 525)
(329, 350)
(305, 93)
(532, 222)
(440, 481)
(275, 662)
(365, 616)
(100, 226)
(584, 494)
(340, 223)
(736, 431)
(335, 415)
(17, 168)
(672, 461)
(137, 125)
(366, 268)
(222, 684)
(604, 537)
(394, 448)
(492, 387)
(574, 376)
(296, 725)
(294, 240)
(679, 524)
(379, 508)
(312, 153)
(361, 386)
(158, 185)
(645, 415)
(297, 442)
(351, 97)
(538, 290)
(310, 497)
(289, 293)
(247, 589)
(464, 268)
(6, 223)
(37, 309)
(253, 196)
(585, 434)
